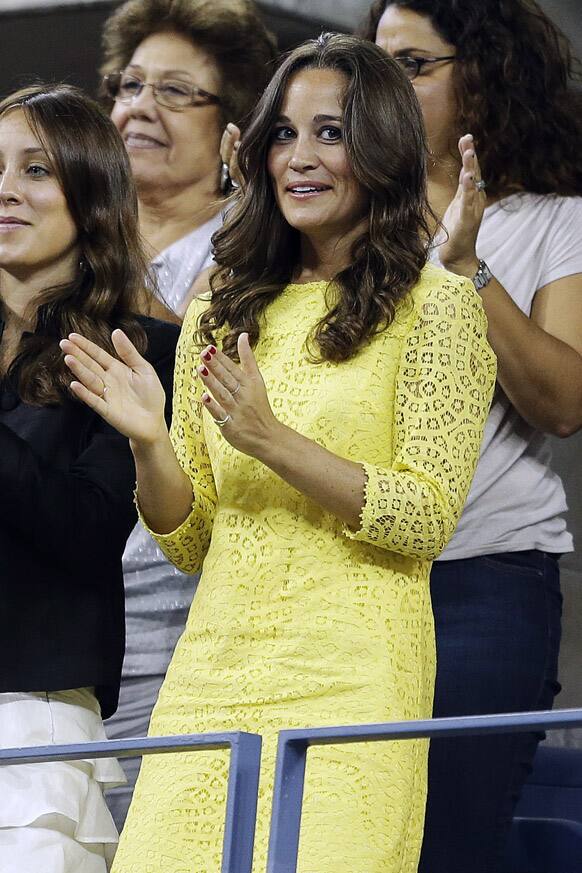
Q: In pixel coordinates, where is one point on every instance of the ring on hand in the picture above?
(103, 392)
(236, 389)
(221, 422)
(480, 185)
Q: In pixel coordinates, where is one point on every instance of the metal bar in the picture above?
(287, 804)
(292, 756)
(243, 777)
(241, 804)
(118, 748)
(515, 722)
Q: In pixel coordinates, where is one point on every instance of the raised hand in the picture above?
(228, 152)
(125, 391)
(463, 217)
(236, 398)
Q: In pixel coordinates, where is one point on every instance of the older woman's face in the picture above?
(171, 150)
(312, 177)
(402, 32)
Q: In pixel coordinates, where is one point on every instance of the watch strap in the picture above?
(482, 277)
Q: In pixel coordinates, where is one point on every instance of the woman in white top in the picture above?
(176, 71)
(507, 196)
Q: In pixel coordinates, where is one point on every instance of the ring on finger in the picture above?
(480, 185)
(220, 422)
(236, 389)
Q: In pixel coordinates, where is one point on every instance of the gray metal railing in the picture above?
(241, 804)
(292, 756)
(243, 777)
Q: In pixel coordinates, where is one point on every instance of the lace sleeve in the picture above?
(186, 546)
(444, 388)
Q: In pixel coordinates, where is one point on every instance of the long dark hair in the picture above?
(513, 78)
(257, 251)
(90, 162)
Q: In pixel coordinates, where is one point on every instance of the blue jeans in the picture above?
(497, 621)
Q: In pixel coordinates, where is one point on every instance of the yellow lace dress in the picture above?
(299, 621)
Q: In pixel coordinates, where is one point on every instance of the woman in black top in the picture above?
(70, 260)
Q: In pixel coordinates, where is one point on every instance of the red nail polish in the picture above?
(207, 356)
(206, 398)
(204, 371)
(212, 350)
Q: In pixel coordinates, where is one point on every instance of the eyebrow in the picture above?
(316, 118)
(406, 51)
(164, 72)
(35, 150)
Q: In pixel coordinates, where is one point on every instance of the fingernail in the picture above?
(206, 398)
(212, 350)
(203, 371)
(207, 356)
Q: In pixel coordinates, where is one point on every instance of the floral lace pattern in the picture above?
(298, 621)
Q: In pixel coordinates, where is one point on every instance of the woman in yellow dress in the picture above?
(350, 382)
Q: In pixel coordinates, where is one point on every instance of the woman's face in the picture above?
(402, 32)
(37, 231)
(171, 149)
(312, 178)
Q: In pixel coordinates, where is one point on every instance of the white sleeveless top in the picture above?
(516, 501)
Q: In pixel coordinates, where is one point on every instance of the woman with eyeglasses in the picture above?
(505, 177)
(175, 72)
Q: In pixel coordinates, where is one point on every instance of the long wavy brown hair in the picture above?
(90, 162)
(513, 76)
(257, 251)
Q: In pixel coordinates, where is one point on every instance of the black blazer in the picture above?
(66, 510)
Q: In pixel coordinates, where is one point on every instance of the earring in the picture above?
(225, 180)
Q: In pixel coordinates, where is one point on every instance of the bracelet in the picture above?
(482, 277)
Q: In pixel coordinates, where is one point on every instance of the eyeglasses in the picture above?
(413, 66)
(172, 93)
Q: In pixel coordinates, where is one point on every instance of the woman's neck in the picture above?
(324, 256)
(166, 217)
(22, 287)
(17, 314)
(443, 180)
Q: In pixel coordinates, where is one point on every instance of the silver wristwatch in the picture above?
(482, 277)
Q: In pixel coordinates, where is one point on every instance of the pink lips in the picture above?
(142, 141)
(9, 222)
(306, 189)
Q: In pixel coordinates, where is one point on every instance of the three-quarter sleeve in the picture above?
(444, 388)
(186, 547)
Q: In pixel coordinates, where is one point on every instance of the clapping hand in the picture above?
(125, 391)
(236, 398)
(463, 217)
(228, 152)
